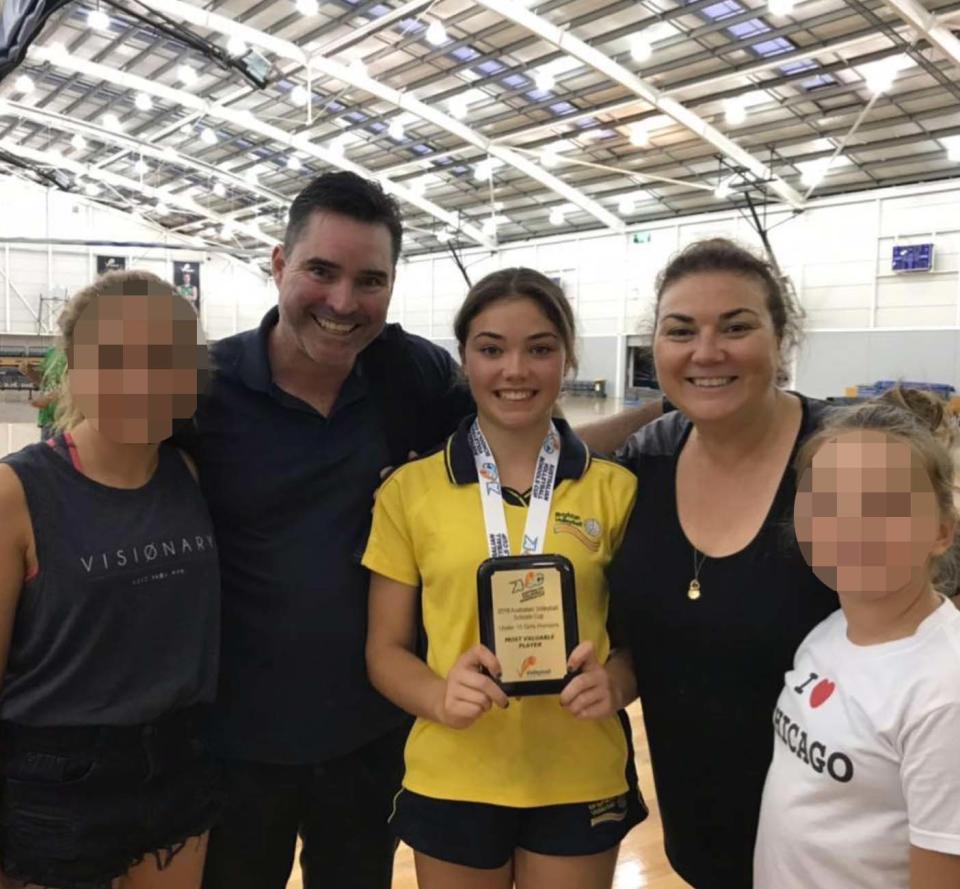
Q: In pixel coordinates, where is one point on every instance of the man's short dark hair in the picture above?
(349, 195)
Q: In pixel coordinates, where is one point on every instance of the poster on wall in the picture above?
(186, 278)
(110, 264)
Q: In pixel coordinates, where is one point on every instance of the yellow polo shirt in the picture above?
(428, 531)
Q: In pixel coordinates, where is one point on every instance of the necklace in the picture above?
(693, 591)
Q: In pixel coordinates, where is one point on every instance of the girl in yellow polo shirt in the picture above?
(536, 791)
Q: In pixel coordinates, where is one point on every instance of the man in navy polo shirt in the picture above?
(302, 415)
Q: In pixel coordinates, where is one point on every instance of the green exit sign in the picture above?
(641, 237)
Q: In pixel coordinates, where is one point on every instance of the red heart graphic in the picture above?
(821, 691)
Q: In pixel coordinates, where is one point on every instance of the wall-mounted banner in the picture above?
(110, 264)
(186, 278)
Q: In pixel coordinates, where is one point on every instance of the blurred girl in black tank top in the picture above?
(109, 610)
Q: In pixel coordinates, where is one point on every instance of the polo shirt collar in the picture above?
(462, 468)
(254, 368)
(254, 364)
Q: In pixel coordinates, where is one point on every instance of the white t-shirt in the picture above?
(866, 759)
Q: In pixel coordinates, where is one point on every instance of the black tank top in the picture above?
(709, 671)
(121, 624)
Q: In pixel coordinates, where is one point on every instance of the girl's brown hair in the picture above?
(520, 282)
(911, 417)
(131, 282)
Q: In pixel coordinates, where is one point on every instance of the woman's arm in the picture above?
(601, 689)
(16, 554)
(400, 676)
(933, 870)
(611, 433)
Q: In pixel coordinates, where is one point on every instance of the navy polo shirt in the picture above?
(291, 493)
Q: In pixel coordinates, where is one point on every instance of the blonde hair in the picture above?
(120, 283)
(914, 418)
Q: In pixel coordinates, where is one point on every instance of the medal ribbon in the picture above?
(538, 513)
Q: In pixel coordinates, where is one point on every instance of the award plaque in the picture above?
(528, 619)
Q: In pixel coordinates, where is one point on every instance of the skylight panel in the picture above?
(516, 81)
(818, 82)
(799, 66)
(464, 53)
(773, 47)
(749, 28)
(722, 10)
(490, 67)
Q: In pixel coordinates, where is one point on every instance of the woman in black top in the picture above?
(708, 590)
(109, 610)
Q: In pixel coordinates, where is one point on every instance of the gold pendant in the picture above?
(693, 592)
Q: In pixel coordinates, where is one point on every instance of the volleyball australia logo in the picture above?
(588, 531)
(489, 476)
(528, 662)
(551, 444)
(528, 587)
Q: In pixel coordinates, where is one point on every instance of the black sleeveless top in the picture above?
(121, 624)
(709, 671)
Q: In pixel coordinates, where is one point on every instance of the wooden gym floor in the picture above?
(642, 863)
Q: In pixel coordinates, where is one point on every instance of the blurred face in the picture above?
(715, 348)
(335, 287)
(514, 359)
(137, 363)
(866, 516)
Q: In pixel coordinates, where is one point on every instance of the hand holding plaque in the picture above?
(528, 619)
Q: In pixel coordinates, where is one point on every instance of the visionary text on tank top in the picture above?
(141, 555)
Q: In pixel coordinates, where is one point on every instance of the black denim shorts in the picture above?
(79, 806)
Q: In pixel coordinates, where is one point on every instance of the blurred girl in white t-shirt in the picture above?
(864, 787)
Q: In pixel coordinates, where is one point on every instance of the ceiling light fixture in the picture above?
(78, 142)
(111, 122)
(640, 49)
(545, 81)
(186, 75)
(143, 102)
(734, 111)
(298, 95)
(880, 76)
(236, 47)
(458, 107)
(24, 84)
(952, 144)
(395, 130)
(308, 7)
(724, 189)
(208, 135)
(781, 7)
(162, 209)
(639, 135)
(141, 168)
(293, 164)
(436, 33)
(98, 20)
(626, 206)
(556, 216)
(92, 189)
